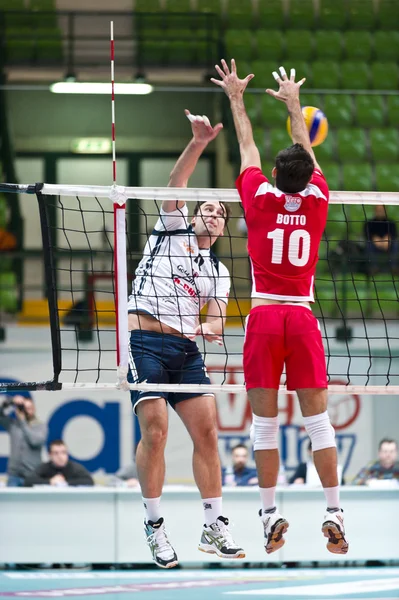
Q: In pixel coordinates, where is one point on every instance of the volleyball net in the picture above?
(94, 237)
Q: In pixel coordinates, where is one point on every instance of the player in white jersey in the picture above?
(176, 277)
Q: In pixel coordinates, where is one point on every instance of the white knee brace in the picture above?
(320, 431)
(264, 432)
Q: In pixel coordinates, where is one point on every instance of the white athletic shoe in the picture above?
(217, 539)
(161, 549)
(275, 526)
(333, 529)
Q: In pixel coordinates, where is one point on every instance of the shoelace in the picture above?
(160, 538)
(225, 533)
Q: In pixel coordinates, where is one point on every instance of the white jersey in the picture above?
(175, 278)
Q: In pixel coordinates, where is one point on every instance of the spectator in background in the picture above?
(27, 436)
(126, 477)
(60, 470)
(306, 472)
(386, 467)
(382, 244)
(239, 473)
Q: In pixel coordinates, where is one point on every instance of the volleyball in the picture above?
(316, 122)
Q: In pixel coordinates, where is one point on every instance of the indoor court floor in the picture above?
(271, 584)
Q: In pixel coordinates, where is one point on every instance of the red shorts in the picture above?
(283, 333)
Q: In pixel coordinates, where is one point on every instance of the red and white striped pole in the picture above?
(120, 256)
(113, 102)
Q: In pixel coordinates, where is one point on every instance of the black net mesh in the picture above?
(357, 290)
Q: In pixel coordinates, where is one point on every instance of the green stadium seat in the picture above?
(8, 292)
(325, 152)
(387, 178)
(328, 44)
(369, 111)
(301, 14)
(147, 6)
(393, 110)
(351, 144)
(270, 45)
(304, 69)
(385, 75)
(262, 70)
(355, 75)
(333, 14)
(240, 14)
(388, 15)
(178, 6)
(357, 177)
(361, 15)
(299, 45)
(271, 15)
(326, 74)
(384, 145)
(338, 110)
(20, 51)
(252, 106)
(312, 100)
(152, 52)
(260, 139)
(239, 44)
(49, 50)
(279, 139)
(358, 45)
(180, 52)
(180, 15)
(332, 173)
(274, 113)
(386, 45)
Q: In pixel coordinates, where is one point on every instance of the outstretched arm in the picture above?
(234, 89)
(203, 133)
(289, 94)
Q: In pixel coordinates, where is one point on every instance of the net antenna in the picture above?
(120, 255)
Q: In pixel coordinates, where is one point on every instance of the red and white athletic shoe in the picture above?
(333, 529)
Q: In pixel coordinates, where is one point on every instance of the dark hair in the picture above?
(294, 169)
(387, 441)
(56, 443)
(238, 447)
(226, 207)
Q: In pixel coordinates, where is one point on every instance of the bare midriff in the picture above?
(146, 322)
(267, 302)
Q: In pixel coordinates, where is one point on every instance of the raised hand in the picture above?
(288, 88)
(202, 129)
(230, 83)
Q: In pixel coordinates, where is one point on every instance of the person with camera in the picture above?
(27, 437)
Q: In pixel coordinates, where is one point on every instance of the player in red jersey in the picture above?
(285, 221)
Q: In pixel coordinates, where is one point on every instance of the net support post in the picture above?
(121, 293)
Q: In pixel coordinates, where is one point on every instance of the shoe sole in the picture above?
(337, 543)
(208, 549)
(275, 539)
(168, 566)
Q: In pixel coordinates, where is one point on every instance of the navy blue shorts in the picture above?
(164, 358)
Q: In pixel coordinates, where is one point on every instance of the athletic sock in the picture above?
(332, 497)
(152, 509)
(268, 498)
(212, 509)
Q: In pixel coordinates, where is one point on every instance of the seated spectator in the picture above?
(60, 470)
(306, 472)
(386, 467)
(239, 474)
(27, 436)
(126, 477)
(382, 244)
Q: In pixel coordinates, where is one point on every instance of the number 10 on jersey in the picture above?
(298, 246)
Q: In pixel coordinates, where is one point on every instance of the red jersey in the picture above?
(284, 233)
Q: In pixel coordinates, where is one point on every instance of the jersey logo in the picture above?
(292, 203)
(188, 248)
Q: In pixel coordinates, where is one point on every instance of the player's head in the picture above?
(209, 221)
(239, 456)
(388, 452)
(293, 170)
(58, 453)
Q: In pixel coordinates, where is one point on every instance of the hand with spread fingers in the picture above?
(230, 83)
(288, 88)
(203, 132)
